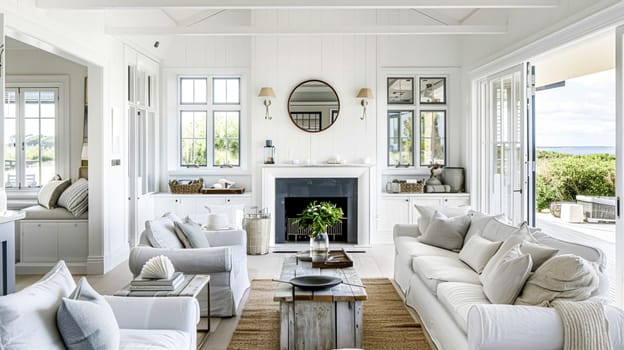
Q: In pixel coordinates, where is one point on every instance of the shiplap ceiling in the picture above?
(305, 17)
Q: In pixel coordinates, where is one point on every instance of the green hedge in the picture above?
(560, 177)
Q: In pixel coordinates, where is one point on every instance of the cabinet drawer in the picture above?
(73, 241)
(38, 242)
(455, 201)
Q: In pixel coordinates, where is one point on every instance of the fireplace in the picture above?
(292, 195)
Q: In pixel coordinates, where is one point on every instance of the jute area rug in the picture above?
(387, 323)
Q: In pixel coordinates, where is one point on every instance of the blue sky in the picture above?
(580, 114)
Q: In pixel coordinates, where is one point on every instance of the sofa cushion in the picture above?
(434, 270)
(86, 321)
(477, 252)
(591, 254)
(508, 277)
(478, 221)
(427, 213)
(495, 230)
(539, 253)
(519, 236)
(410, 246)
(76, 197)
(161, 232)
(193, 233)
(445, 232)
(458, 297)
(28, 317)
(37, 212)
(50, 193)
(156, 339)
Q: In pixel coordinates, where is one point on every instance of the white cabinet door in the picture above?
(191, 206)
(391, 211)
(73, 241)
(38, 242)
(455, 201)
(246, 201)
(164, 204)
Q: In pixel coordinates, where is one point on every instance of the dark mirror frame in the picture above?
(333, 119)
(421, 91)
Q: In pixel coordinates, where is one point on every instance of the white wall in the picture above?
(81, 38)
(26, 60)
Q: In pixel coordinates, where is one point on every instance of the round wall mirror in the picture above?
(313, 105)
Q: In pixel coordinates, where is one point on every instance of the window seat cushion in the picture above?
(37, 212)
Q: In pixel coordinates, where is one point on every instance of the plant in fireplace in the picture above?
(317, 217)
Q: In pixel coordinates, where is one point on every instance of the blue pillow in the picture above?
(194, 233)
(86, 321)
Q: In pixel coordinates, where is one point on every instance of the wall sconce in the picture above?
(364, 94)
(267, 93)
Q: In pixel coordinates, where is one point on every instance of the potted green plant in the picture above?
(316, 218)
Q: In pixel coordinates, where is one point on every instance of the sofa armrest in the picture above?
(177, 313)
(188, 260)
(527, 327)
(409, 230)
(227, 237)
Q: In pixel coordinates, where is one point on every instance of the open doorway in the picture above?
(575, 145)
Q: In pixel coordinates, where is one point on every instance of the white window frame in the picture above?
(63, 135)
(452, 82)
(171, 120)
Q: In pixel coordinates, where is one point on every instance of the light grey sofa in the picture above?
(449, 298)
(225, 261)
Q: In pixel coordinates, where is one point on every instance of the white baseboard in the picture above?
(25, 268)
(95, 265)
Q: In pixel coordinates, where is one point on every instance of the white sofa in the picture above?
(225, 261)
(456, 312)
(28, 317)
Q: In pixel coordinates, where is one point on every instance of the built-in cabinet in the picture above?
(194, 204)
(44, 242)
(399, 209)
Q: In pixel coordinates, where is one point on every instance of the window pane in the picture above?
(432, 137)
(200, 125)
(48, 107)
(193, 90)
(400, 138)
(226, 90)
(200, 152)
(47, 149)
(31, 104)
(226, 138)
(186, 124)
(187, 152)
(10, 142)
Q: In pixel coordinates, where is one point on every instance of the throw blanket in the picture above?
(584, 325)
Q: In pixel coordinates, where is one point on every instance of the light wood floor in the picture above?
(374, 262)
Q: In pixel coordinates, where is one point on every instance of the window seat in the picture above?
(49, 235)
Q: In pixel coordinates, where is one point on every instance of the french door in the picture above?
(619, 164)
(505, 164)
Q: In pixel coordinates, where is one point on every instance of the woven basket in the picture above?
(412, 187)
(194, 187)
(257, 235)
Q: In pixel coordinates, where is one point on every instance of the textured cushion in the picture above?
(76, 197)
(28, 317)
(478, 221)
(458, 297)
(495, 230)
(154, 339)
(37, 212)
(427, 213)
(517, 237)
(477, 252)
(434, 270)
(539, 253)
(86, 321)
(445, 232)
(193, 232)
(410, 246)
(181, 236)
(590, 254)
(161, 232)
(49, 194)
(560, 277)
(508, 277)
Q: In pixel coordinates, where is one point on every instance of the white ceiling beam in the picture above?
(313, 30)
(437, 16)
(293, 4)
(199, 17)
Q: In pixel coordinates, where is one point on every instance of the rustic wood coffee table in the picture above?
(325, 319)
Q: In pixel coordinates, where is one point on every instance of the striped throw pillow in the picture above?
(76, 197)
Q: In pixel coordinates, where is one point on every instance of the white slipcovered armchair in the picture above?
(225, 261)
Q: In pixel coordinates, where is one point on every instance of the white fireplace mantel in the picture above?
(364, 173)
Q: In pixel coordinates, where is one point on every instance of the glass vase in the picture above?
(319, 247)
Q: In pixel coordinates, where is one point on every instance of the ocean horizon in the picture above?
(579, 150)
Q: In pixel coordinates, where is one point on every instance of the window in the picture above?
(415, 142)
(204, 141)
(400, 138)
(30, 136)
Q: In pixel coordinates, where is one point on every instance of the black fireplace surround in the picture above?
(293, 194)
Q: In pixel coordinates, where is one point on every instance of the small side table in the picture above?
(193, 286)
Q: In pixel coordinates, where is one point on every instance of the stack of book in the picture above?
(151, 284)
